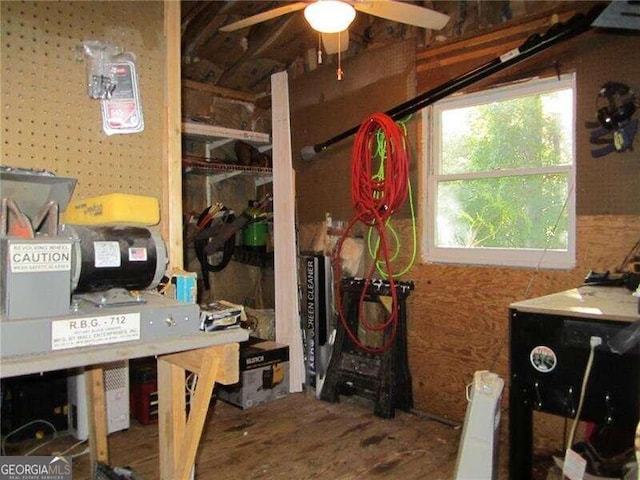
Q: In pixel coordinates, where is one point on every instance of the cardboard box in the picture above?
(264, 374)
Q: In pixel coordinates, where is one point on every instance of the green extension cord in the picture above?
(373, 246)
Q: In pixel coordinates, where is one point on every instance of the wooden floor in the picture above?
(299, 437)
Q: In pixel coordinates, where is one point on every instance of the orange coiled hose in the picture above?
(375, 198)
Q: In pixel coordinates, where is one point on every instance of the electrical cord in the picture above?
(534, 274)
(22, 427)
(190, 384)
(594, 342)
(375, 198)
(38, 447)
(75, 455)
(546, 246)
(381, 152)
(205, 221)
(57, 453)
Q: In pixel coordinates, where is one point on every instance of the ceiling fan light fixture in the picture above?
(329, 16)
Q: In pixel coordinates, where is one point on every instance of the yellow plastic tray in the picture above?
(113, 208)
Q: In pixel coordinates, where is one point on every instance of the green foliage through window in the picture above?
(503, 170)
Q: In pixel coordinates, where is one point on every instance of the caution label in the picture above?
(40, 257)
(83, 332)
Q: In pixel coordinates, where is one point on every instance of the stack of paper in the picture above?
(221, 315)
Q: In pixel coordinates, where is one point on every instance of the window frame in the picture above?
(505, 257)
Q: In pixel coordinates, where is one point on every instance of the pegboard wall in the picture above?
(48, 120)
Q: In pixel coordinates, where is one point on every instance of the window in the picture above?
(500, 176)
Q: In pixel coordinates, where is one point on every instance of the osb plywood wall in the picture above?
(458, 315)
(48, 120)
(322, 107)
(609, 184)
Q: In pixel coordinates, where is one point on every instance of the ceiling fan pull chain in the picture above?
(319, 48)
(339, 72)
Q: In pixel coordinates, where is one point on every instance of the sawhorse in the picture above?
(382, 377)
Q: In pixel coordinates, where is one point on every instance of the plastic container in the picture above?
(113, 208)
(254, 234)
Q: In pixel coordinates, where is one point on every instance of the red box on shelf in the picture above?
(144, 402)
(143, 397)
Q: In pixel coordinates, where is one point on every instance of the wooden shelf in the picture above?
(215, 136)
(218, 136)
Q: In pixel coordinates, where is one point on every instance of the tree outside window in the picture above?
(501, 171)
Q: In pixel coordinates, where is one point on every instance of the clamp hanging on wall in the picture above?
(615, 127)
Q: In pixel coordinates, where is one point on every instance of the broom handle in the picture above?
(535, 44)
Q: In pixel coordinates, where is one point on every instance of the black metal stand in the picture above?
(384, 377)
(613, 393)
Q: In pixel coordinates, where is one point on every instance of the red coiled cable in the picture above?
(374, 200)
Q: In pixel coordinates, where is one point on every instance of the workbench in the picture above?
(549, 349)
(213, 356)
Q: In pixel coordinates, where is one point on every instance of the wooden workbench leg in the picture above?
(200, 400)
(171, 416)
(179, 437)
(97, 415)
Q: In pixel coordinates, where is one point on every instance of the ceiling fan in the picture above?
(344, 11)
(331, 17)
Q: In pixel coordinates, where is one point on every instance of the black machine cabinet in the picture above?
(549, 350)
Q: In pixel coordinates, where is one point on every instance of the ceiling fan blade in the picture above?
(403, 13)
(263, 17)
(332, 45)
